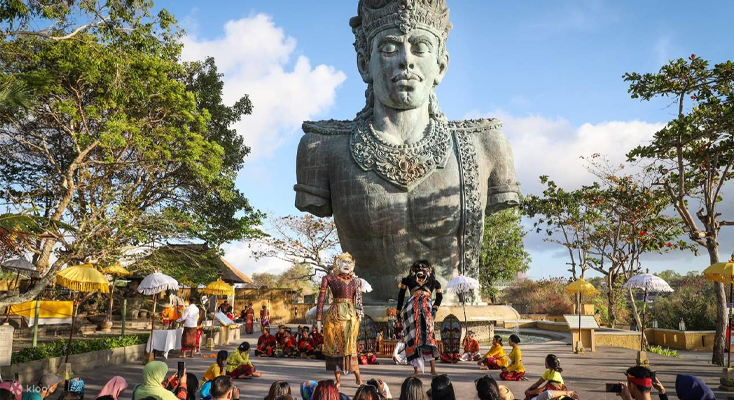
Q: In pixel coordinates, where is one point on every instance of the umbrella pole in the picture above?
(152, 322)
(579, 344)
(109, 314)
(7, 310)
(73, 323)
(731, 287)
(642, 328)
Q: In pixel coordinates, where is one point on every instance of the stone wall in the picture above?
(682, 340)
(624, 339)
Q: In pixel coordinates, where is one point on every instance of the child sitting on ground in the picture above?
(550, 385)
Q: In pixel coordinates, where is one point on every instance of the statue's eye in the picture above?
(421, 48)
(389, 48)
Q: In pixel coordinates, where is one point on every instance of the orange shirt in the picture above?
(471, 346)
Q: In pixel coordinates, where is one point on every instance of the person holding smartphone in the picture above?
(640, 381)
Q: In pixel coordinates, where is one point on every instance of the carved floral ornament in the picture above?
(406, 165)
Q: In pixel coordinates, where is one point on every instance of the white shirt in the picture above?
(190, 316)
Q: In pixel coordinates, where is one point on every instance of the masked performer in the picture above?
(417, 315)
(341, 322)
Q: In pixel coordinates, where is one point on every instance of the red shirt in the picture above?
(287, 341)
(266, 341)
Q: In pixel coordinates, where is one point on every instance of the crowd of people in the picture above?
(219, 384)
(306, 343)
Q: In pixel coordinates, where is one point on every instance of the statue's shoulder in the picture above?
(476, 125)
(331, 127)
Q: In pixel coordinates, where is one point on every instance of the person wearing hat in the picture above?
(47, 385)
(471, 348)
(239, 364)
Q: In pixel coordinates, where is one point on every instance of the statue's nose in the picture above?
(406, 60)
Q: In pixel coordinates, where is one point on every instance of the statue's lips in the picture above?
(406, 84)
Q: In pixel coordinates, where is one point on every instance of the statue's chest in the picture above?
(365, 203)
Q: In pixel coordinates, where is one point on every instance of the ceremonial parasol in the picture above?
(723, 272)
(219, 288)
(461, 285)
(649, 283)
(116, 271)
(22, 267)
(154, 284)
(581, 287)
(81, 278)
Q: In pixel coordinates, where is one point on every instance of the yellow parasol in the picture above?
(219, 288)
(81, 278)
(581, 287)
(116, 271)
(723, 272)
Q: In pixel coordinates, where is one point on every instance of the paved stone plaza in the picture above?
(583, 373)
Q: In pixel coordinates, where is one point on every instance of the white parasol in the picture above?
(156, 283)
(649, 283)
(461, 285)
(366, 287)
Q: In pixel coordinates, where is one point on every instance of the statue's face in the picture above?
(345, 266)
(404, 67)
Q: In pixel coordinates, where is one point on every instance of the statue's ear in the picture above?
(364, 68)
(443, 66)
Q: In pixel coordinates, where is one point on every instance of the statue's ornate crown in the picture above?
(375, 16)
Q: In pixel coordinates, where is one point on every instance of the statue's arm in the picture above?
(312, 176)
(504, 190)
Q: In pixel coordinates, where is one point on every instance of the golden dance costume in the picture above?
(341, 322)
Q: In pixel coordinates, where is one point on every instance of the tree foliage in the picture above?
(503, 253)
(545, 296)
(302, 239)
(692, 157)
(691, 301)
(117, 140)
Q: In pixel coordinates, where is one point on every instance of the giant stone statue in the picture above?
(401, 181)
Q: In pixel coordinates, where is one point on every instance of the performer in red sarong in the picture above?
(266, 344)
(249, 319)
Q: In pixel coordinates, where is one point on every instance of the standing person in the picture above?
(239, 364)
(495, 357)
(682, 325)
(265, 316)
(341, 324)
(190, 319)
(249, 317)
(418, 313)
(515, 371)
(471, 348)
(266, 344)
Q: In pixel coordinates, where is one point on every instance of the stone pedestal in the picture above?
(6, 344)
(727, 379)
(642, 359)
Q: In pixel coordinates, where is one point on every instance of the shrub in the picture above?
(546, 296)
(693, 300)
(58, 348)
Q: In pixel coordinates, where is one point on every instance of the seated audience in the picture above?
(266, 344)
(488, 389)
(239, 364)
(326, 390)
(214, 371)
(6, 394)
(67, 395)
(14, 387)
(155, 382)
(412, 389)
(367, 392)
(398, 354)
(112, 389)
(305, 343)
(307, 389)
(441, 389)
(515, 370)
(381, 386)
(223, 388)
(639, 385)
(277, 389)
(47, 385)
(689, 388)
(471, 348)
(288, 344)
(495, 357)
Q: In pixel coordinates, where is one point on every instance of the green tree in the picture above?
(692, 156)
(691, 301)
(114, 142)
(265, 279)
(503, 253)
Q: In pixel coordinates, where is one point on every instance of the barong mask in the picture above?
(422, 270)
(345, 264)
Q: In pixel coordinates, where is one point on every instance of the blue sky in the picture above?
(552, 71)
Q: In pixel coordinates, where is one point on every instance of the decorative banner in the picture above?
(50, 312)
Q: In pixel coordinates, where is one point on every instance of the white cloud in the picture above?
(239, 254)
(255, 55)
(553, 147)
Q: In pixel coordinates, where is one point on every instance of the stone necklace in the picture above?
(403, 165)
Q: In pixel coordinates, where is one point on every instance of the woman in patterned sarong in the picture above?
(417, 315)
(341, 322)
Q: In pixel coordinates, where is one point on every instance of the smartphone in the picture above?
(181, 366)
(614, 388)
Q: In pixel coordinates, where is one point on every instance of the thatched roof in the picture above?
(189, 261)
(231, 274)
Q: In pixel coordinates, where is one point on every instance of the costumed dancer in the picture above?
(417, 315)
(264, 316)
(515, 370)
(495, 357)
(341, 322)
(471, 348)
(249, 319)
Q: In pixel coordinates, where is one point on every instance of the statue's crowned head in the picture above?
(401, 52)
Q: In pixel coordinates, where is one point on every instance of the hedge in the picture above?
(58, 349)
